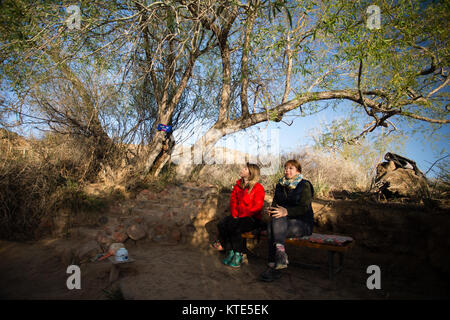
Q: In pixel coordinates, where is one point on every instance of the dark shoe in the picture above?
(270, 274)
(281, 260)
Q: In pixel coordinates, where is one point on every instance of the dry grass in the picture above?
(27, 189)
(328, 173)
(40, 177)
(325, 172)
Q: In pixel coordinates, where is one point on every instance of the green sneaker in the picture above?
(237, 260)
(229, 257)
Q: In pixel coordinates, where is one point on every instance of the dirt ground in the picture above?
(35, 271)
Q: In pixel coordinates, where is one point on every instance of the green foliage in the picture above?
(338, 140)
(336, 135)
(410, 38)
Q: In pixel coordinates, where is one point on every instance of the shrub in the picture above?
(39, 177)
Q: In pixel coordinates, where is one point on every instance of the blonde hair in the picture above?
(253, 177)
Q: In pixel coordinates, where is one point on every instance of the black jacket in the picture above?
(297, 201)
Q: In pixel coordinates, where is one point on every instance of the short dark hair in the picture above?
(294, 163)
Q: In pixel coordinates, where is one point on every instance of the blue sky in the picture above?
(423, 148)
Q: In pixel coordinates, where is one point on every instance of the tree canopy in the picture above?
(135, 64)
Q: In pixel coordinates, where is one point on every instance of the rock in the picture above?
(160, 238)
(103, 239)
(103, 220)
(160, 229)
(167, 216)
(119, 228)
(198, 203)
(143, 195)
(119, 236)
(402, 183)
(163, 194)
(115, 246)
(136, 232)
(107, 230)
(138, 220)
(160, 233)
(112, 222)
(400, 177)
(175, 235)
(385, 167)
(116, 210)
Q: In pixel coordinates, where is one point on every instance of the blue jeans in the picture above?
(279, 229)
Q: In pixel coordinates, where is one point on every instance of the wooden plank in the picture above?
(308, 244)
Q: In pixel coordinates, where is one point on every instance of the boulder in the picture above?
(175, 235)
(103, 239)
(402, 183)
(119, 236)
(146, 195)
(160, 233)
(136, 232)
(400, 177)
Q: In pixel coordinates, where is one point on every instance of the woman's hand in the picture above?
(277, 212)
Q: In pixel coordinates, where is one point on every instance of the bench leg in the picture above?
(331, 270)
(341, 261)
(330, 264)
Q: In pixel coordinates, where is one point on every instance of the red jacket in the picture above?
(244, 204)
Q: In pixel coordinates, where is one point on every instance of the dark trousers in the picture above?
(279, 229)
(230, 230)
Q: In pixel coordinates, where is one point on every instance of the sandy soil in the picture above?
(35, 271)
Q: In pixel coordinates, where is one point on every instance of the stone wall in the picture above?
(189, 213)
(177, 214)
(391, 229)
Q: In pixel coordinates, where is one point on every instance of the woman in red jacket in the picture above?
(246, 203)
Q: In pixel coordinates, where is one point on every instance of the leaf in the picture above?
(288, 13)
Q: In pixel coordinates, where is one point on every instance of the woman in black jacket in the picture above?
(291, 216)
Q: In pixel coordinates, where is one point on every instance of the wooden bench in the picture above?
(313, 242)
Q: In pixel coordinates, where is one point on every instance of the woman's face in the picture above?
(244, 173)
(290, 171)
